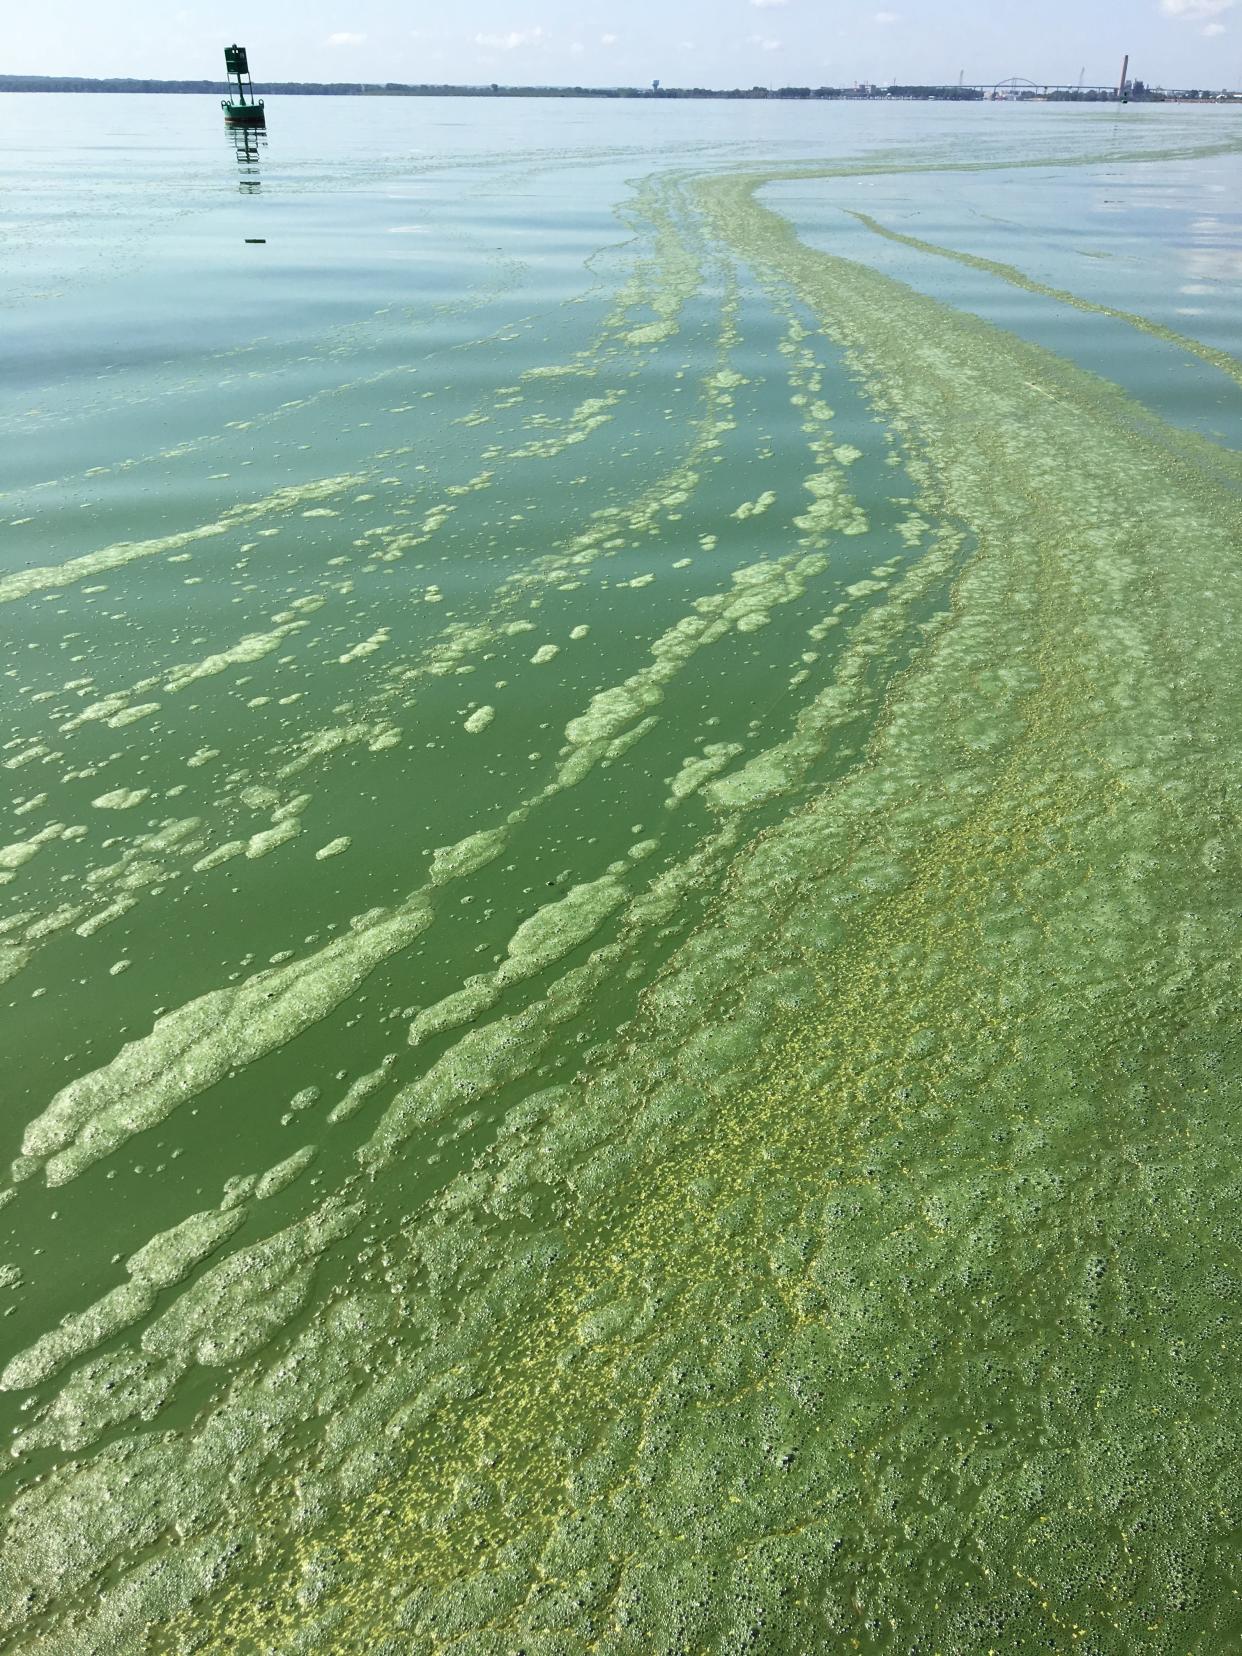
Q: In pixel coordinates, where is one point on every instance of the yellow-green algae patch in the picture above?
(284, 1173)
(77, 1334)
(699, 769)
(867, 1290)
(192, 1048)
(27, 582)
(900, 1266)
(360, 1090)
(552, 932)
(558, 927)
(171, 1255)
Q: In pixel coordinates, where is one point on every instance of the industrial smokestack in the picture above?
(1121, 84)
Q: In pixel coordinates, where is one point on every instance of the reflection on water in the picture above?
(246, 142)
(1214, 255)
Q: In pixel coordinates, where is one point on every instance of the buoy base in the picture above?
(243, 114)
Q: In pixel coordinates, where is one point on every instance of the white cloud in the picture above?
(512, 41)
(1194, 11)
(345, 38)
(764, 4)
(1215, 29)
(884, 18)
(608, 40)
(765, 43)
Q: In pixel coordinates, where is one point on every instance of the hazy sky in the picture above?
(607, 42)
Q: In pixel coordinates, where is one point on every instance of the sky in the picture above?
(717, 43)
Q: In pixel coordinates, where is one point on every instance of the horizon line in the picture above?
(655, 90)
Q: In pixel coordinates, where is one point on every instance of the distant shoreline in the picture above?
(1027, 93)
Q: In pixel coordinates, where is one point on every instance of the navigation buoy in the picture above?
(240, 111)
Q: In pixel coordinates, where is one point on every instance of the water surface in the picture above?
(619, 875)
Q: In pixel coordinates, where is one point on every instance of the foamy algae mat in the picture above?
(627, 1012)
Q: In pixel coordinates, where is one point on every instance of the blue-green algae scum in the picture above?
(620, 877)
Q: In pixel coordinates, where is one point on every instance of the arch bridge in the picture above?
(1017, 86)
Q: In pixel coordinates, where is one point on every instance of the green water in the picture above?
(619, 880)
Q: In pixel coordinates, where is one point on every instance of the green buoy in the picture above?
(240, 111)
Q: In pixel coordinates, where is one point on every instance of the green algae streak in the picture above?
(1007, 273)
(864, 1280)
